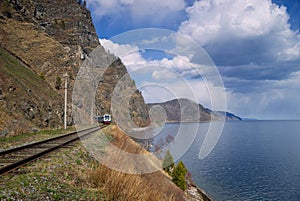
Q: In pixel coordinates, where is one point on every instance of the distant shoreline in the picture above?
(172, 122)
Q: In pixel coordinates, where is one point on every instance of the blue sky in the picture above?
(255, 45)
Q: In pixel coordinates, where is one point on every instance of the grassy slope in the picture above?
(122, 186)
(27, 138)
(19, 82)
(32, 45)
(23, 76)
(62, 175)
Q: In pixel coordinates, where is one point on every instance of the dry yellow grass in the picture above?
(33, 45)
(117, 185)
(120, 186)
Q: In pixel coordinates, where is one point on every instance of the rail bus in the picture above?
(105, 119)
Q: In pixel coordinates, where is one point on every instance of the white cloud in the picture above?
(293, 82)
(290, 53)
(151, 10)
(129, 54)
(164, 74)
(276, 99)
(250, 30)
(259, 54)
(213, 19)
(155, 7)
(199, 91)
(133, 60)
(104, 7)
(178, 64)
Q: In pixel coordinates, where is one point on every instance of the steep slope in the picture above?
(26, 100)
(126, 93)
(51, 38)
(185, 110)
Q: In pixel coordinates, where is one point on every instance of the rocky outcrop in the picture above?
(49, 39)
(125, 92)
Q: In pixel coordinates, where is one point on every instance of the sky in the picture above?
(253, 44)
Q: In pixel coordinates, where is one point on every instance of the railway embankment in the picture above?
(10, 142)
(71, 173)
(61, 175)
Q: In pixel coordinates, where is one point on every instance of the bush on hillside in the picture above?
(178, 175)
(178, 172)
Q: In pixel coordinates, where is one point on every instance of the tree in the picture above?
(168, 163)
(181, 167)
(178, 175)
(178, 172)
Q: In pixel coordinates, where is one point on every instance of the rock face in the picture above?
(48, 39)
(185, 110)
(125, 93)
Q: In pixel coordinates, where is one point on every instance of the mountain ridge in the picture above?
(186, 110)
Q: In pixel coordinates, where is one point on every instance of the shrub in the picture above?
(42, 75)
(178, 175)
(178, 172)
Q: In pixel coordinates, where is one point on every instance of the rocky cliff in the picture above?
(41, 41)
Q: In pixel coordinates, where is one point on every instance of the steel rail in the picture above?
(42, 142)
(25, 160)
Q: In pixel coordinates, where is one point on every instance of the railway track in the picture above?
(14, 158)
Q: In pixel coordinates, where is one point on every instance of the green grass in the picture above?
(21, 84)
(60, 178)
(27, 138)
(25, 76)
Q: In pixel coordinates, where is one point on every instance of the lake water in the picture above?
(253, 160)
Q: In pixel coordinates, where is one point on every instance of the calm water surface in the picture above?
(253, 160)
